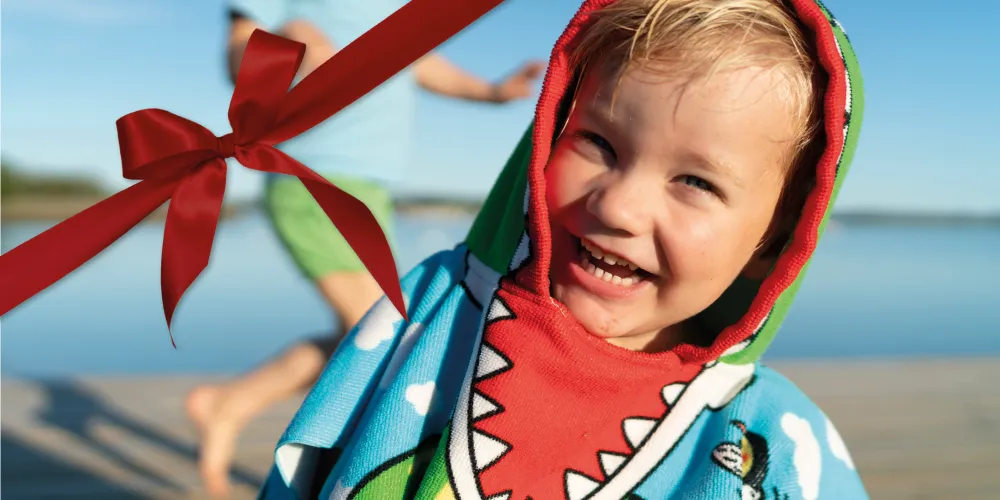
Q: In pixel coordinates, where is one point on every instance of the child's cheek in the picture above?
(580, 176)
(553, 194)
(692, 248)
(562, 183)
(700, 232)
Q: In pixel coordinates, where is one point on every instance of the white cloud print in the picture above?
(377, 326)
(837, 446)
(807, 458)
(420, 396)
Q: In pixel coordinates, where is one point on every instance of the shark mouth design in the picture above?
(516, 435)
(479, 281)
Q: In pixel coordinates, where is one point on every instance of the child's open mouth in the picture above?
(610, 268)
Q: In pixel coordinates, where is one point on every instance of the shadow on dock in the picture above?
(916, 429)
(34, 468)
(89, 424)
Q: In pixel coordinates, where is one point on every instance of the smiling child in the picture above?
(598, 334)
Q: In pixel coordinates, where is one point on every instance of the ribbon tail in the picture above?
(349, 215)
(189, 232)
(363, 233)
(45, 259)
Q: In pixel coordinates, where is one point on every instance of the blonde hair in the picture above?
(692, 38)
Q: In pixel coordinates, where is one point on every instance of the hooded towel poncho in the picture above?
(491, 392)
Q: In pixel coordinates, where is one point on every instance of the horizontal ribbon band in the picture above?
(181, 161)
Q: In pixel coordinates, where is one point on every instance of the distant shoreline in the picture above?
(15, 209)
(46, 209)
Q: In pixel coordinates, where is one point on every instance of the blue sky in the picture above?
(70, 68)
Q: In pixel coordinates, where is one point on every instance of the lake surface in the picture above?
(881, 290)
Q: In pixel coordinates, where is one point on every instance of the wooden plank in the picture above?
(927, 429)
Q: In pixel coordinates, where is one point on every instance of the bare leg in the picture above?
(221, 411)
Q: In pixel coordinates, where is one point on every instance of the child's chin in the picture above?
(593, 314)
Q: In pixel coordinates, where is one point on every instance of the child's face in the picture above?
(680, 179)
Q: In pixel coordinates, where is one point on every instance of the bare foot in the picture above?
(206, 408)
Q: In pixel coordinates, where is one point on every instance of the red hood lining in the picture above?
(558, 78)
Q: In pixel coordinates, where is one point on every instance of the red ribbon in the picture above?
(178, 160)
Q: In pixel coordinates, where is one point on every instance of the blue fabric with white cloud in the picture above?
(393, 384)
(376, 385)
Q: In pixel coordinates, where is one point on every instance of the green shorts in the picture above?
(316, 246)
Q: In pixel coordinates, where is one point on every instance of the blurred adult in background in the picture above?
(361, 150)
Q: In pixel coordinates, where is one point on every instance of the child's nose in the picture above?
(623, 205)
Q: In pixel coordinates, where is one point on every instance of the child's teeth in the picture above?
(610, 259)
(608, 277)
(596, 254)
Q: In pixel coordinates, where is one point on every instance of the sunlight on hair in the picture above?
(697, 38)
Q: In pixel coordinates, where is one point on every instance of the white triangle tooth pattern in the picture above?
(482, 406)
(490, 362)
(610, 462)
(498, 310)
(522, 252)
(636, 429)
(578, 486)
(486, 449)
(671, 392)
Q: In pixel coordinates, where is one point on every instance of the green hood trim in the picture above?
(853, 114)
(499, 225)
(503, 222)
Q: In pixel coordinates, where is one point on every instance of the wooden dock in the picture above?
(917, 430)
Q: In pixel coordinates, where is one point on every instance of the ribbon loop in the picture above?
(261, 86)
(179, 160)
(157, 144)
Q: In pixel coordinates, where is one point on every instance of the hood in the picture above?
(511, 233)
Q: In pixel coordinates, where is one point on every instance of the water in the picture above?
(899, 291)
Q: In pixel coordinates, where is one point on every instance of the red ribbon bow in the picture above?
(178, 160)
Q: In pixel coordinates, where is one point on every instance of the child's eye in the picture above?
(597, 141)
(698, 183)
